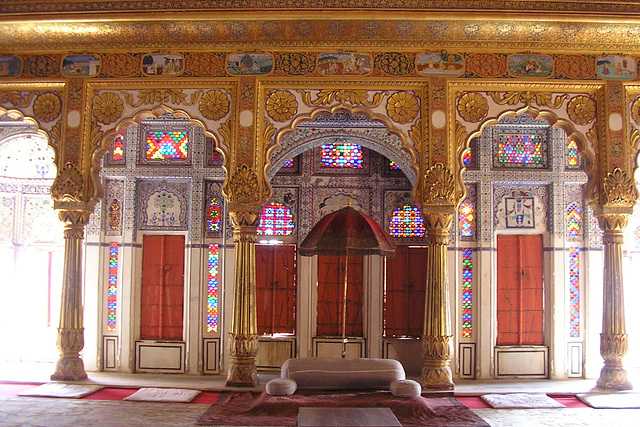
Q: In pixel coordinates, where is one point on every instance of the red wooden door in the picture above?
(161, 313)
(276, 289)
(330, 296)
(520, 294)
(406, 281)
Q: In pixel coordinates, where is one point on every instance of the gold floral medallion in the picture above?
(635, 110)
(281, 105)
(402, 107)
(581, 109)
(107, 108)
(47, 106)
(214, 105)
(473, 107)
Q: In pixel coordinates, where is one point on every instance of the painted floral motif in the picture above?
(487, 65)
(635, 110)
(204, 64)
(281, 105)
(581, 109)
(120, 65)
(47, 106)
(107, 108)
(575, 66)
(214, 105)
(473, 107)
(402, 107)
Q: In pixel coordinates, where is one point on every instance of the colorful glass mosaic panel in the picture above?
(467, 219)
(112, 290)
(393, 165)
(406, 222)
(467, 293)
(573, 160)
(118, 149)
(276, 220)
(574, 292)
(466, 158)
(288, 164)
(574, 220)
(342, 155)
(213, 215)
(212, 288)
(167, 145)
(519, 149)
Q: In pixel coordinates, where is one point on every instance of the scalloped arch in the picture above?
(554, 121)
(275, 160)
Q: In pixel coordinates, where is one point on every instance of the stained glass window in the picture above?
(276, 220)
(288, 164)
(167, 145)
(342, 155)
(519, 149)
(213, 215)
(393, 165)
(470, 157)
(112, 290)
(467, 292)
(573, 160)
(574, 292)
(466, 158)
(467, 218)
(118, 150)
(406, 222)
(212, 289)
(574, 220)
(26, 156)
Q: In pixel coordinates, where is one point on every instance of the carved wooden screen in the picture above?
(161, 311)
(520, 293)
(276, 289)
(330, 296)
(406, 281)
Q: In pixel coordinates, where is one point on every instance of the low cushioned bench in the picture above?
(324, 373)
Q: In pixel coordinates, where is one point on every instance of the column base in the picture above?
(614, 379)
(242, 375)
(437, 378)
(69, 368)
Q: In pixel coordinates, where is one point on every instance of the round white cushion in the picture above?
(281, 387)
(406, 388)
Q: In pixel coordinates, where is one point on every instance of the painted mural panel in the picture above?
(80, 65)
(440, 64)
(530, 65)
(616, 67)
(10, 66)
(344, 64)
(246, 64)
(162, 64)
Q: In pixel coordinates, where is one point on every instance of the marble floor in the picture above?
(23, 411)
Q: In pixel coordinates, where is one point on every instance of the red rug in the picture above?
(568, 400)
(260, 409)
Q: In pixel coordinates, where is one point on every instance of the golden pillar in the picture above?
(437, 341)
(71, 330)
(243, 335)
(613, 339)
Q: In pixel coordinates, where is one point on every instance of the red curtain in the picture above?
(520, 293)
(161, 311)
(330, 296)
(276, 289)
(406, 281)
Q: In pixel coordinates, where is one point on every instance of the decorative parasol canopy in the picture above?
(347, 232)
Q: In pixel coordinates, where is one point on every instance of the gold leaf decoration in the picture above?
(352, 96)
(244, 186)
(528, 97)
(581, 109)
(96, 134)
(509, 98)
(281, 105)
(69, 185)
(214, 105)
(226, 131)
(17, 98)
(546, 99)
(47, 106)
(402, 107)
(416, 133)
(268, 133)
(619, 189)
(473, 107)
(154, 96)
(635, 110)
(439, 185)
(107, 108)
